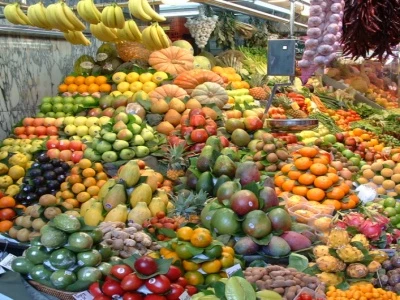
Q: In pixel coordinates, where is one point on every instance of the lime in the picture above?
(183, 251)
(389, 202)
(397, 207)
(355, 160)
(395, 220)
(212, 278)
(390, 211)
(330, 138)
(214, 251)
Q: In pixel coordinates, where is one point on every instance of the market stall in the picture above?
(198, 158)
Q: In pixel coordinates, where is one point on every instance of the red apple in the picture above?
(19, 130)
(109, 111)
(49, 122)
(253, 123)
(28, 121)
(38, 122)
(32, 136)
(95, 112)
(64, 145)
(23, 136)
(65, 155)
(76, 156)
(52, 130)
(53, 153)
(41, 130)
(75, 145)
(196, 111)
(52, 144)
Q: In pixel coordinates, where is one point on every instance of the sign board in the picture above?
(281, 57)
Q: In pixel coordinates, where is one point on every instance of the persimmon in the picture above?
(308, 152)
(303, 163)
(306, 179)
(323, 182)
(318, 169)
(315, 194)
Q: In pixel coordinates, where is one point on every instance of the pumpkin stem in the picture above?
(177, 62)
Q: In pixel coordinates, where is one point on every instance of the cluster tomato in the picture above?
(276, 113)
(346, 117)
(65, 150)
(125, 283)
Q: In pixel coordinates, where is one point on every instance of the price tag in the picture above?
(230, 271)
(184, 296)
(2, 270)
(83, 296)
(6, 262)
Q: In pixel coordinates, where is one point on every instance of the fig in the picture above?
(395, 260)
(394, 279)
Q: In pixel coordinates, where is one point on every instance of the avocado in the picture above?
(96, 235)
(89, 258)
(62, 278)
(89, 274)
(62, 259)
(67, 223)
(37, 254)
(53, 238)
(84, 65)
(205, 183)
(105, 251)
(22, 265)
(40, 272)
(79, 242)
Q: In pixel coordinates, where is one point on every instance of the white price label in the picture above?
(83, 296)
(230, 271)
(6, 262)
(184, 296)
(2, 270)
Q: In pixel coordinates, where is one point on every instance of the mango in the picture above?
(139, 213)
(94, 215)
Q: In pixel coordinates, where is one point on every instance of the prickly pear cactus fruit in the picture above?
(329, 263)
(379, 255)
(338, 238)
(350, 254)
(362, 239)
(320, 250)
(330, 278)
(357, 270)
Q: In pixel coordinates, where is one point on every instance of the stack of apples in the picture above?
(37, 128)
(65, 150)
(83, 128)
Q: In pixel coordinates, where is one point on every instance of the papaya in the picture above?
(86, 205)
(163, 195)
(117, 195)
(105, 188)
(142, 193)
(94, 215)
(139, 213)
(130, 173)
(117, 214)
(156, 205)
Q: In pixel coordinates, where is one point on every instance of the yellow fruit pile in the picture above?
(11, 175)
(84, 183)
(229, 74)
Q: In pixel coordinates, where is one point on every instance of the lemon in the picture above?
(16, 172)
(149, 86)
(12, 190)
(115, 93)
(135, 86)
(132, 77)
(159, 77)
(128, 93)
(123, 87)
(145, 77)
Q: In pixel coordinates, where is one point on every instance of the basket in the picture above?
(52, 292)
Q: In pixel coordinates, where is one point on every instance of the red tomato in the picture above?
(76, 156)
(65, 155)
(182, 281)
(185, 120)
(133, 296)
(52, 144)
(159, 284)
(146, 265)
(131, 282)
(186, 130)
(176, 291)
(174, 273)
(120, 271)
(305, 296)
(199, 135)
(30, 130)
(197, 121)
(95, 290)
(191, 289)
(154, 297)
(195, 112)
(75, 145)
(64, 145)
(112, 287)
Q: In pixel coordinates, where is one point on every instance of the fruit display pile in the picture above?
(155, 173)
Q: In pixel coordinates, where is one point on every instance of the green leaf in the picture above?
(263, 241)
(145, 103)
(343, 286)
(298, 261)
(162, 264)
(258, 263)
(167, 232)
(312, 270)
(224, 238)
(79, 285)
(219, 289)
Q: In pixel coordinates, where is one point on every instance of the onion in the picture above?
(336, 46)
(316, 2)
(333, 28)
(309, 54)
(314, 21)
(311, 43)
(314, 32)
(304, 63)
(319, 60)
(335, 18)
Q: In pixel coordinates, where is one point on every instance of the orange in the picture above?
(72, 88)
(227, 249)
(227, 260)
(74, 179)
(286, 168)
(344, 187)
(84, 163)
(334, 203)
(105, 88)
(101, 176)
(190, 266)
(89, 80)
(83, 88)
(358, 131)
(79, 80)
(93, 88)
(336, 193)
(7, 201)
(294, 174)
(217, 69)
(303, 163)
(75, 170)
(279, 180)
(321, 160)
(83, 196)
(75, 203)
(78, 187)
(5, 225)
(306, 179)
(201, 238)
(318, 169)
(20, 206)
(308, 152)
(89, 172)
(194, 277)
(93, 190)
(323, 182)
(98, 167)
(315, 194)
(184, 233)
(210, 267)
(67, 194)
(100, 80)
(89, 181)
(349, 204)
(172, 255)
(300, 190)
(69, 80)
(288, 185)
(62, 88)
(100, 183)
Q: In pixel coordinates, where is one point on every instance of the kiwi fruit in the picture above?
(38, 223)
(35, 211)
(47, 200)
(272, 158)
(18, 221)
(28, 210)
(377, 166)
(260, 145)
(73, 213)
(271, 168)
(67, 205)
(281, 164)
(279, 145)
(23, 235)
(13, 232)
(26, 222)
(268, 138)
(258, 156)
(51, 212)
(386, 172)
(269, 148)
(282, 154)
(33, 234)
(260, 166)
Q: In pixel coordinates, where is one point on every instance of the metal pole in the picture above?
(292, 15)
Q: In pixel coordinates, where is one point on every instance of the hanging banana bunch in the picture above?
(112, 16)
(142, 10)
(37, 16)
(61, 17)
(88, 11)
(103, 33)
(154, 37)
(15, 15)
(76, 38)
(130, 32)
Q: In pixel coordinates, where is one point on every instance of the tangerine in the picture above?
(184, 233)
(89, 172)
(201, 238)
(279, 180)
(315, 194)
(336, 193)
(190, 266)
(288, 185)
(62, 88)
(335, 178)
(89, 181)
(306, 179)
(286, 168)
(100, 80)
(69, 80)
(93, 190)
(93, 88)
(72, 88)
(318, 169)
(210, 267)
(303, 163)
(89, 80)
(5, 225)
(323, 182)
(308, 152)
(78, 187)
(7, 201)
(294, 174)
(227, 259)
(79, 80)
(84, 163)
(335, 203)
(194, 277)
(75, 203)
(300, 190)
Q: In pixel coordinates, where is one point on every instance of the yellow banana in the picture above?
(51, 15)
(103, 33)
(136, 9)
(155, 38)
(71, 17)
(62, 20)
(123, 35)
(104, 15)
(21, 14)
(70, 37)
(11, 12)
(134, 29)
(127, 33)
(165, 41)
(32, 16)
(111, 18)
(119, 17)
(88, 11)
(40, 13)
(146, 38)
(80, 38)
(151, 12)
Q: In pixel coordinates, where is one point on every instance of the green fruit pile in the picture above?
(392, 210)
(67, 256)
(58, 106)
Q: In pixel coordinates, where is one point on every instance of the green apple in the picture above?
(104, 120)
(51, 114)
(27, 148)
(68, 108)
(59, 114)
(79, 100)
(95, 142)
(69, 120)
(91, 154)
(118, 145)
(103, 146)
(46, 100)
(137, 140)
(46, 107)
(147, 135)
(68, 100)
(127, 154)
(79, 121)
(142, 151)
(109, 156)
(70, 129)
(119, 77)
(135, 128)
(82, 130)
(152, 146)
(15, 148)
(94, 130)
(92, 121)
(57, 99)
(58, 107)
(40, 115)
(87, 138)
(109, 137)
(239, 99)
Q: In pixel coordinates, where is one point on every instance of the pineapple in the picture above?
(338, 238)
(362, 239)
(329, 263)
(188, 206)
(176, 160)
(259, 90)
(291, 108)
(350, 254)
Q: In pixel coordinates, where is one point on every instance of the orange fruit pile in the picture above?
(311, 176)
(81, 84)
(84, 183)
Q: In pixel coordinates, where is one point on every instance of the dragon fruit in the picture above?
(382, 220)
(371, 230)
(354, 219)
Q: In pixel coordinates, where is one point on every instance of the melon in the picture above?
(184, 45)
(201, 62)
(210, 57)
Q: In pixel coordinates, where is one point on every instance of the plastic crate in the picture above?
(176, 29)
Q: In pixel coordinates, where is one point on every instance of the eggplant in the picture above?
(56, 162)
(34, 172)
(38, 181)
(31, 197)
(35, 165)
(43, 158)
(395, 260)
(65, 166)
(49, 175)
(53, 184)
(61, 178)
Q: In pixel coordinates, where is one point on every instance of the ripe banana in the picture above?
(103, 33)
(76, 38)
(119, 17)
(37, 16)
(136, 9)
(15, 15)
(132, 32)
(151, 12)
(72, 18)
(146, 38)
(165, 41)
(113, 17)
(154, 37)
(88, 11)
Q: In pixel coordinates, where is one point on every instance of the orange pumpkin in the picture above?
(190, 79)
(173, 60)
(168, 90)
